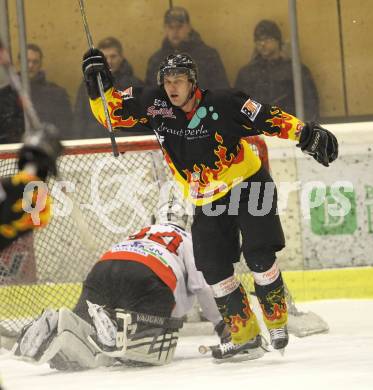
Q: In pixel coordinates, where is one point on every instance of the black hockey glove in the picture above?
(223, 331)
(318, 142)
(41, 148)
(94, 62)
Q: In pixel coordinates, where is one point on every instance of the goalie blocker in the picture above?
(67, 342)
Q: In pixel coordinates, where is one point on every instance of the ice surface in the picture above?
(342, 359)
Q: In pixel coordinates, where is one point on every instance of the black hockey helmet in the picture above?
(175, 64)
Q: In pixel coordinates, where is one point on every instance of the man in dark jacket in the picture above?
(268, 77)
(11, 116)
(12, 124)
(85, 125)
(182, 38)
(50, 100)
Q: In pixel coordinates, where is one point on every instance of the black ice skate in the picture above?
(246, 351)
(279, 338)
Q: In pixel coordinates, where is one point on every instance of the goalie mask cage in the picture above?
(114, 197)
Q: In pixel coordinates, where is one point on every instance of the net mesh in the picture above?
(108, 198)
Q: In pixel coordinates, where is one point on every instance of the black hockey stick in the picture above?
(99, 81)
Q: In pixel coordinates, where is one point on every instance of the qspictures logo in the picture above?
(326, 222)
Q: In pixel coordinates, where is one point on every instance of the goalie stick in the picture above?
(99, 81)
(35, 123)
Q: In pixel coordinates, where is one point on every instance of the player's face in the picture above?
(178, 89)
(268, 47)
(33, 63)
(113, 57)
(177, 32)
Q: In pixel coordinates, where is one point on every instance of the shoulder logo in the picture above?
(126, 94)
(251, 109)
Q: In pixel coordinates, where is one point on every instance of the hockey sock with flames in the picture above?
(234, 306)
(270, 290)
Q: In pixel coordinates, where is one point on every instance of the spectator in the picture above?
(51, 101)
(11, 116)
(85, 125)
(268, 77)
(180, 37)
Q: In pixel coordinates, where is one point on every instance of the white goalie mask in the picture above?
(173, 211)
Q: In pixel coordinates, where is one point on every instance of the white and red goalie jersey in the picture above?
(168, 251)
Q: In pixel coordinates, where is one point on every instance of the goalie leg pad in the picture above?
(146, 338)
(149, 344)
(72, 352)
(66, 346)
(71, 349)
(36, 335)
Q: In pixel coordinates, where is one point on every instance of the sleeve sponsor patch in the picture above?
(251, 109)
(126, 94)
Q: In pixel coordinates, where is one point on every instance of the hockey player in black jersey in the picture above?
(36, 159)
(202, 134)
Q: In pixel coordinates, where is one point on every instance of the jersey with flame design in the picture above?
(207, 150)
(14, 220)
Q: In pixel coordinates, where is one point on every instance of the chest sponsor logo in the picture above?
(189, 134)
(160, 108)
(160, 103)
(251, 109)
(202, 113)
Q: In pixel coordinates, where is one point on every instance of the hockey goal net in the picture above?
(108, 198)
